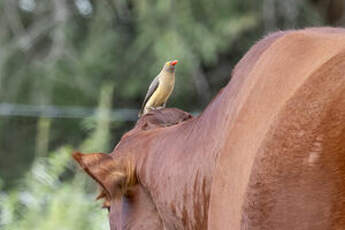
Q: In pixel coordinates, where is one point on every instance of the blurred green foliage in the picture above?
(52, 195)
(46, 200)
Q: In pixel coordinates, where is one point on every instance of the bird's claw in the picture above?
(154, 108)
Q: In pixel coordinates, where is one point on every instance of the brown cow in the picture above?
(267, 153)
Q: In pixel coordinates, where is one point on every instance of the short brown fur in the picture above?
(267, 153)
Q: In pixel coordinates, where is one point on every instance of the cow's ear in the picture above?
(115, 176)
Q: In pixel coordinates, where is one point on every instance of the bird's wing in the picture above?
(154, 85)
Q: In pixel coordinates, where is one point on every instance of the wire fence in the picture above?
(51, 111)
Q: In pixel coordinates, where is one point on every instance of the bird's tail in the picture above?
(140, 113)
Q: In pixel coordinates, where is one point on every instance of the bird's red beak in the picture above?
(173, 63)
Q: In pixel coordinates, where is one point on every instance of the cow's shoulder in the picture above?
(287, 40)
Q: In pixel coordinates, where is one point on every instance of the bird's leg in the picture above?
(159, 107)
(149, 109)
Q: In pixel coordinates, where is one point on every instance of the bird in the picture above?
(160, 89)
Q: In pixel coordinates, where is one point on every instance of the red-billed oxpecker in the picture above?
(160, 89)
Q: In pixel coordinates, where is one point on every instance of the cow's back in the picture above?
(283, 163)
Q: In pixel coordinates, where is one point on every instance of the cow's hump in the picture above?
(162, 118)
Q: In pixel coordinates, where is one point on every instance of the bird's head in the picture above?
(169, 66)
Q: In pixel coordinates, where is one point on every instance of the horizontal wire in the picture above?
(51, 111)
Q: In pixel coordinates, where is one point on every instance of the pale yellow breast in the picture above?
(164, 90)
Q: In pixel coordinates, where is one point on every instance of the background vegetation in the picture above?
(73, 74)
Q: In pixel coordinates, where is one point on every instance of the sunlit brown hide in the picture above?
(267, 153)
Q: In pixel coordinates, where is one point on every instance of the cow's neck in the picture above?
(178, 169)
